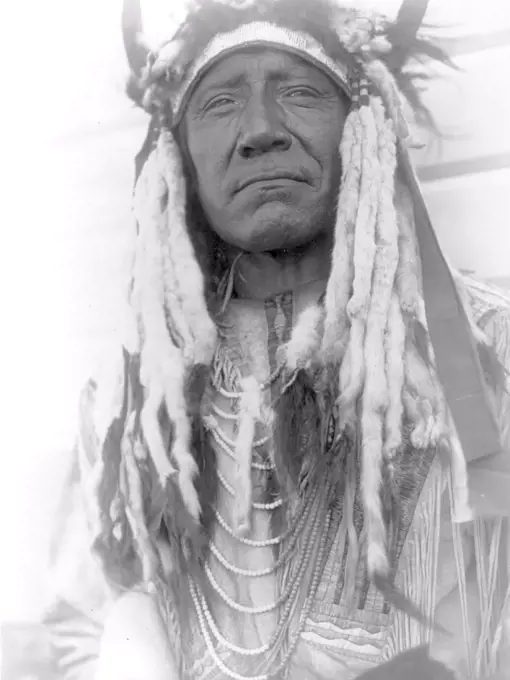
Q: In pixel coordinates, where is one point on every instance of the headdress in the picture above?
(391, 323)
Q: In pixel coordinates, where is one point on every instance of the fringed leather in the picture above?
(417, 569)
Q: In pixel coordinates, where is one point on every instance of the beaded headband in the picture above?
(258, 33)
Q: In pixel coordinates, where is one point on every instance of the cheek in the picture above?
(331, 167)
(336, 168)
(207, 179)
(208, 160)
(332, 138)
(332, 149)
(323, 143)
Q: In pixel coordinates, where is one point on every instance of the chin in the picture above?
(276, 227)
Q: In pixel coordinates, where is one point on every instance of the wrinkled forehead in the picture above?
(258, 64)
(262, 36)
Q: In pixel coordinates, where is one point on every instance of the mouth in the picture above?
(271, 179)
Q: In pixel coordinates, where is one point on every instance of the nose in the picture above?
(262, 130)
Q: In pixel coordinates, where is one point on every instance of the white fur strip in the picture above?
(364, 239)
(153, 220)
(188, 275)
(408, 268)
(162, 364)
(135, 515)
(340, 280)
(387, 86)
(305, 339)
(153, 437)
(158, 354)
(375, 393)
(162, 373)
(462, 512)
(371, 482)
(386, 259)
(364, 253)
(426, 406)
(394, 351)
(352, 371)
(250, 405)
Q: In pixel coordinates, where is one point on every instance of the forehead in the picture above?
(255, 64)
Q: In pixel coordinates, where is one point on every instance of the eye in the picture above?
(301, 91)
(219, 102)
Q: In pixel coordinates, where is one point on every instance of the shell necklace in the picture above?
(309, 528)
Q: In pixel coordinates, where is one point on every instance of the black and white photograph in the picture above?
(256, 327)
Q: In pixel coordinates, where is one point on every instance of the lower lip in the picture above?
(272, 183)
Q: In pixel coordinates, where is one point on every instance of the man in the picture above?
(293, 469)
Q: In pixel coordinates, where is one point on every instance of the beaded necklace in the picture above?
(310, 524)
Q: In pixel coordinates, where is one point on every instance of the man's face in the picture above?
(263, 131)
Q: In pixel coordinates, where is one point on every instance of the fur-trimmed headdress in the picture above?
(380, 345)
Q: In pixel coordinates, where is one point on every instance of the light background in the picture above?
(71, 136)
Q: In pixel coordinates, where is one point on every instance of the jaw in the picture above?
(277, 226)
(276, 221)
